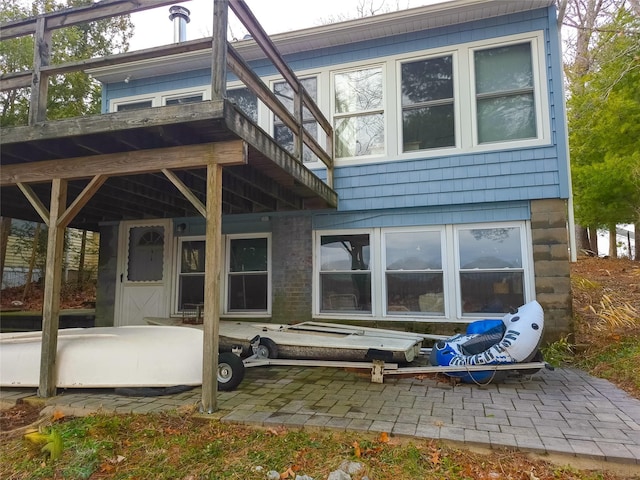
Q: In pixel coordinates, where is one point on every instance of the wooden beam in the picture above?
(213, 258)
(35, 201)
(219, 50)
(51, 300)
(232, 152)
(40, 81)
(81, 200)
(195, 201)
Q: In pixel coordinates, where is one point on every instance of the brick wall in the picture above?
(292, 261)
(552, 266)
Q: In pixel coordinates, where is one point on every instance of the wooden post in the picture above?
(32, 261)
(52, 280)
(40, 81)
(211, 320)
(219, 50)
(5, 231)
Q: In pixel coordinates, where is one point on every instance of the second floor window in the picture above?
(505, 102)
(246, 100)
(359, 112)
(427, 104)
(282, 133)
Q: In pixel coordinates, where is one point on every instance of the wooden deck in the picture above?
(204, 159)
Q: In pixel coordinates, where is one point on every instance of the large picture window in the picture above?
(435, 273)
(427, 104)
(413, 273)
(283, 134)
(491, 269)
(345, 277)
(359, 112)
(505, 102)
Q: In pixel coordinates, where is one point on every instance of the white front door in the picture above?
(144, 271)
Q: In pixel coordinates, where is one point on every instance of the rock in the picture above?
(339, 475)
(303, 477)
(273, 475)
(351, 467)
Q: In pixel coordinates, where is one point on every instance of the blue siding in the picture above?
(407, 217)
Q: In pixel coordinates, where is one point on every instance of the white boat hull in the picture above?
(107, 357)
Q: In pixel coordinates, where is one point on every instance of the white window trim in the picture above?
(160, 98)
(224, 287)
(227, 267)
(382, 64)
(450, 267)
(527, 261)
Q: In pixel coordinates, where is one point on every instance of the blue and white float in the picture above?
(513, 339)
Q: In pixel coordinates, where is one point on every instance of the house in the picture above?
(433, 186)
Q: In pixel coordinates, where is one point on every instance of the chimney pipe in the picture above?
(180, 17)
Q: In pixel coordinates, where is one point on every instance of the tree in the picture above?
(70, 95)
(604, 128)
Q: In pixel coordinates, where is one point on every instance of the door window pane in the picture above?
(414, 276)
(505, 93)
(491, 270)
(345, 278)
(427, 104)
(146, 254)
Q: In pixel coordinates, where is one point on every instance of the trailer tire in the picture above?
(230, 371)
(267, 349)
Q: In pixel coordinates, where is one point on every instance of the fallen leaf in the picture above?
(288, 474)
(438, 423)
(435, 457)
(57, 415)
(383, 438)
(106, 468)
(356, 450)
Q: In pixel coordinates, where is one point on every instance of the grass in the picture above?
(180, 445)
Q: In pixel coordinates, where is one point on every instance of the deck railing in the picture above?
(42, 27)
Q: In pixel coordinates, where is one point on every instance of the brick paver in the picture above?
(564, 411)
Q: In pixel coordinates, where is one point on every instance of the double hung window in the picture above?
(283, 134)
(359, 112)
(428, 117)
(190, 273)
(504, 86)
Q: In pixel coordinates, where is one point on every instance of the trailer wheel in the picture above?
(230, 371)
(267, 348)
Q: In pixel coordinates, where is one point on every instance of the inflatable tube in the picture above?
(488, 343)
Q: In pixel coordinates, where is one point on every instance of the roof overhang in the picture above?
(333, 35)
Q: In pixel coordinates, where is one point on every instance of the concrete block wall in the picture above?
(292, 262)
(552, 266)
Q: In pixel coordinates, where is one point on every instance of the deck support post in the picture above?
(211, 320)
(52, 283)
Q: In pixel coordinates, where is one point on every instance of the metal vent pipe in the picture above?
(180, 17)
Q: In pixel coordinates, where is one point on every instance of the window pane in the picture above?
(190, 290)
(284, 137)
(345, 252)
(248, 255)
(491, 292)
(506, 118)
(360, 135)
(248, 292)
(246, 101)
(341, 292)
(133, 106)
(184, 100)
(428, 127)
(489, 248)
(427, 80)
(503, 69)
(284, 92)
(411, 293)
(192, 256)
(358, 91)
(146, 254)
(413, 251)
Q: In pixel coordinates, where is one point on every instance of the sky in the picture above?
(153, 27)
